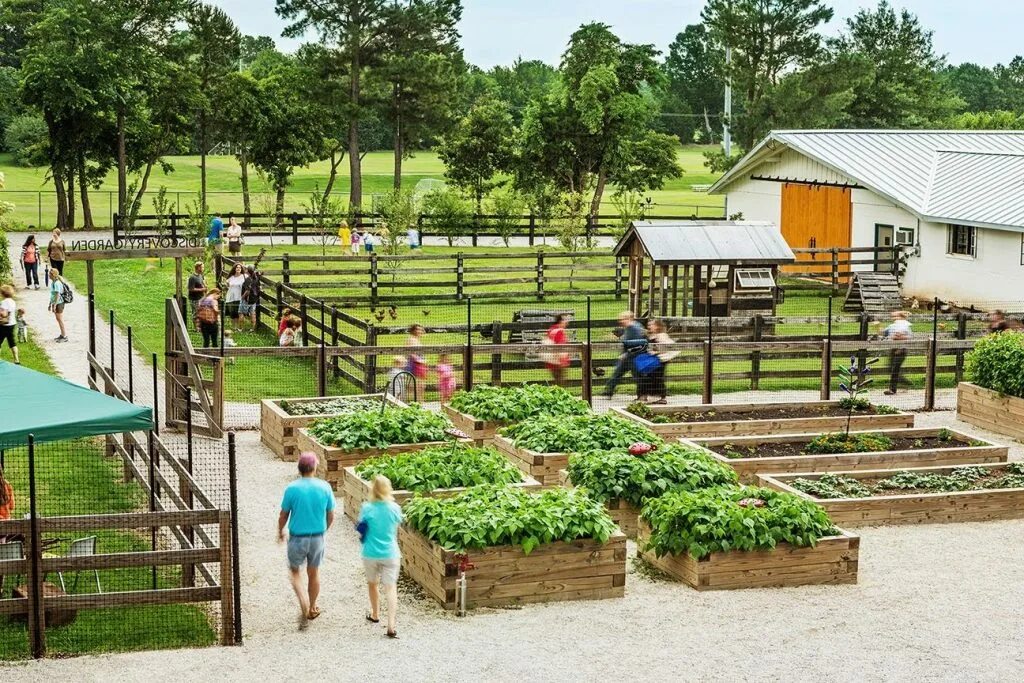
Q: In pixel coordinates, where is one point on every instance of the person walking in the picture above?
(56, 251)
(445, 378)
(57, 296)
(378, 523)
(250, 296)
(658, 338)
(9, 321)
(208, 315)
(344, 236)
(631, 334)
(233, 299)
(307, 509)
(213, 237)
(417, 363)
(557, 361)
(234, 235)
(898, 331)
(196, 291)
(30, 262)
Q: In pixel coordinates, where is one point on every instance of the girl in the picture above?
(557, 362)
(56, 252)
(658, 337)
(9, 320)
(381, 557)
(234, 297)
(290, 334)
(234, 234)
(30, 261)
(417, 365)
(208, 314)
(445, 378)
(283, 322)
(57, 286)
(354, 242)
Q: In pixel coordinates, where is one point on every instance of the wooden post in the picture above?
(374, 282)
(533, 227)
(305, 320)
(460, 280)
(37, 601)
(295, 228)
(709, 377)
(961, 333)
(217, 399)
(755, 356)
(686, 291)
(286, 276)
(227, 593)
(177, 278)
(929, 375)
(188, 571)
(663, 303)
(826, 369)
(370, 362)
(835, 269)
(650, 291)
(467, 366)
(862, 356)
(675, 289)
(496, 357)
(280, 301)
(334, 339)
(586, 362)
(618, 278)
(540, 276)
(321, 369)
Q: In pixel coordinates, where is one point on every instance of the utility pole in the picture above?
(727, 118)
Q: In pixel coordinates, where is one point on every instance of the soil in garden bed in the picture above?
(909, 483)
(790, 449)
(767, 413)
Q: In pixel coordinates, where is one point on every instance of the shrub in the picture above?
(574, 434)
(512, 404)
(615, 474)
(497, 515)
(731, 518)
(996, 361)
(848, 443)
(448, 214)
(375, 429)
(442, 467)
(27, 137)
(337, 406)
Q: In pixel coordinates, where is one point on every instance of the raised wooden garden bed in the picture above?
(990, 410)
(763, 418)
(279, 430)
(504, 575)
(622, 512)
(832, 561)
(480, 431)
(544, 467)
(912, 448)
(333, 460)
(909, 507)
(355, 491)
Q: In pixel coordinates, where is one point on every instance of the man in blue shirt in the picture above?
(631, 334)
(308, 510)
(216, 227)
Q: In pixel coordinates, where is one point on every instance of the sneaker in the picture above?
(62, 339)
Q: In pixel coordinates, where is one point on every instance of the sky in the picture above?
(497, 31)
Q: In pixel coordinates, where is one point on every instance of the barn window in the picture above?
(962, 240)
(754, 278)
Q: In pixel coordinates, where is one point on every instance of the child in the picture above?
(290, 335)
(395, 379)
(22, 325)
(283, 323)
(228, 340)
(368, 241)
(445, 378)
(354, 240)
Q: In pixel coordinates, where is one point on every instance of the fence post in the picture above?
(295, 228)
(334, 339)
(587, 364)
(131, 374)
(755, 356)
(92, 324)
(533, 228)
(460, 276)
(303, 308)
(223, 325)
(961, 333)
(174, 226)
(286, 276)
(236, 578)
(280, 300)
(373, 279)
(112, 345)
(540, 276)
(835, 269)
(467, 366)
(862, 355)
(370, 361)
(929, 376)
(321, 370)
(188, 571)
(156, 398)
(37, 612)
(496, 333)
(618, 278)
(151, 453)
(826, 358)
(708, 391)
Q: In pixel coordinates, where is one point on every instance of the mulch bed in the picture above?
(790, 449)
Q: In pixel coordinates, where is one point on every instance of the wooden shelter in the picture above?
(734, 264)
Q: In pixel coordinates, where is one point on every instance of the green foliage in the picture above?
(513, 404)
(326, 213)
(832, 486)
(26, 137)
(506, 209)
(630, 206)
(695, 71)
(731, 518)
(335, 406)
(448, 214)
(498, 515)
(376, 429)
(848, 443)
(576, 434)
(642, 410)
(478, 148)
(615, 474)
(996, 361)
(442, 467)
(965, 478)
(5, 243)
(883, 409)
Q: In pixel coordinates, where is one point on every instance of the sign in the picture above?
(166, 242)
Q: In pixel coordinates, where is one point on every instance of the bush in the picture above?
(448, 214)
(513, 404)
(560, 434)
(26, 137)
(497, 515)
(376, 429)
(732, 518)
(442, 467)
(848, 443)
(615, 474)
(996, 363)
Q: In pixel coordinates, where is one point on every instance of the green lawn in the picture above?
(24, 185)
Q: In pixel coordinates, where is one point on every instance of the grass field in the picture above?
(35, 205)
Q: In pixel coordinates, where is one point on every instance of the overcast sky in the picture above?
(498, 31)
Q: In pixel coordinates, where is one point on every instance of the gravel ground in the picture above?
(935, 602)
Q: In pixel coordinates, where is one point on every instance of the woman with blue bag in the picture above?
(650, 364)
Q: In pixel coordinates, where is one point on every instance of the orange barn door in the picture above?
(815, 216)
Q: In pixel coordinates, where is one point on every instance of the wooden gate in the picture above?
(816, 216)
(185, 369)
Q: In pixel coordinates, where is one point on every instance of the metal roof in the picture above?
(901, 164)
(708, 242)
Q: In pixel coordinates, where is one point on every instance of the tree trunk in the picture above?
(280, 200)
(83, 189)
(122, 167)
(337, 156)
(136, 205)
(62, 198)
(355, 192)
(595, 203)
(71, 198)
(243, 162)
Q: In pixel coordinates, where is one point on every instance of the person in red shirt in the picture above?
(6, 497)
(557, 362)
(30, 262)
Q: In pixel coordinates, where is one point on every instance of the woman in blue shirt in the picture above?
(381, 557)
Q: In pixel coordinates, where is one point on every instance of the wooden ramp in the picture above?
(873, 293)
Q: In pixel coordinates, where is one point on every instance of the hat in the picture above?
(308, 460)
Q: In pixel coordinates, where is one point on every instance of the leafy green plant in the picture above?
(883, 409)
(335, 406)
(838, 442)
(644, 411)
(615, 474)
(486, 516)
(573, 434)
(442, 467)
(731, 518)
(858, 405)
(376, 429)
(512, 404)
(995, 363)
(945, 435)
(831, 486)
(965, 478)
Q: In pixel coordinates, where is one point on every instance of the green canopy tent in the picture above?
(52, 409)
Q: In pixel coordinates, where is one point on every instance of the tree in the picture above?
(522, 83)
(987, 120)
(447, 213)
(326, 214)
(693, 70)
(1010, 78)
(478, 148)
(212, 45)
(249, 48)
(977, 86)
(907, 90)
(356, 32)
(507, 213)
(242, 108)
(768, 39)
(26, 138)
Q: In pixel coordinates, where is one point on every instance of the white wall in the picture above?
(869, 210)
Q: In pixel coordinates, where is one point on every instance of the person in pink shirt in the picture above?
(445, 378)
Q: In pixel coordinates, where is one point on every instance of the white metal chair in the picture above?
(81, 547)
(14, 550)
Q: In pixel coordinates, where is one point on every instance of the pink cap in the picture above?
(309, 459)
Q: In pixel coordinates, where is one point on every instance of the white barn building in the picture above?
(956, 196)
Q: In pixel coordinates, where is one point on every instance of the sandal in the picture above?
(314, 613)
(391, 634)
(372, 620)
